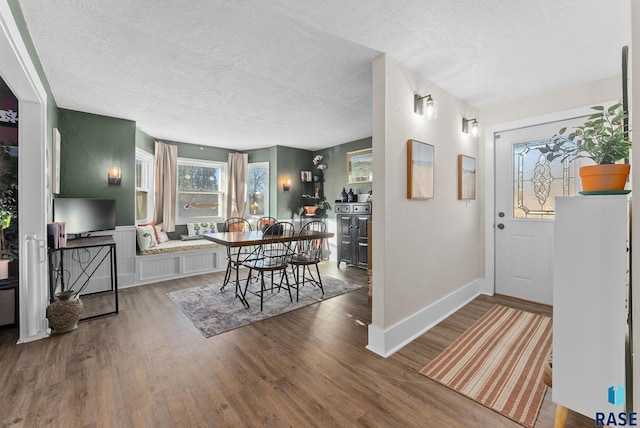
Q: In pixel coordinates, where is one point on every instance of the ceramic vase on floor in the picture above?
(64, 314)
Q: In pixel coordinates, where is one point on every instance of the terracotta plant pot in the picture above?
(604, 177)
(4, 269)
(310, 209)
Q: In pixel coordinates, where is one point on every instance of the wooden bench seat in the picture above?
(178, 259)
(175, 245)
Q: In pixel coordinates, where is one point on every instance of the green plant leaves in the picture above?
(602, 138)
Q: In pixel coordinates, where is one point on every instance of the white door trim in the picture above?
(489, 180)
(18, 71)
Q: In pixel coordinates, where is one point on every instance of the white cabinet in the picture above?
(589, 301)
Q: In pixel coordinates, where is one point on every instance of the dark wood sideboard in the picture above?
(352, 235)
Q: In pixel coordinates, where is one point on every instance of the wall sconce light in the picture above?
(115, 175)
(425, 105)
(473, 130)
(286, 185)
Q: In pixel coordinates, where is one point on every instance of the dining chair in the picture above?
(271, 256)
(264, 222)
(235, 255)
(307, 252)
(237, 224)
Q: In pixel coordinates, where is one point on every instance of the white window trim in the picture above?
(222, 187)
(263, 165)
(148, 181)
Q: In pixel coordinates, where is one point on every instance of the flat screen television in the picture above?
(83, 215)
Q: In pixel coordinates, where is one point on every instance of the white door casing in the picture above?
(18, 71)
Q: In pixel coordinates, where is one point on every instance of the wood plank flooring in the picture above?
(150, 367)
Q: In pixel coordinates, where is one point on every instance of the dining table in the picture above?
(254, 238)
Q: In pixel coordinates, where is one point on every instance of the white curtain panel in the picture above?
(237, 184)
(166, 170)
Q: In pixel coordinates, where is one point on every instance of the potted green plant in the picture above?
(603, 138)
(5, 222)
(322, 206)
(8, 214)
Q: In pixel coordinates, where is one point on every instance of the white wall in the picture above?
(563, 99)
(426, 253)
(634, 105)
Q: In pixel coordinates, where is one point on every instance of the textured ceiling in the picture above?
(249, 74)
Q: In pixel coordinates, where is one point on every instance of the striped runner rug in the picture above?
(498, 362)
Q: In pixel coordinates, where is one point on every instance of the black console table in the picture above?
(12, 283)
(105, 250)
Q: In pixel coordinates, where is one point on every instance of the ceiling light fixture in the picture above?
(474, 130)
(425, 105)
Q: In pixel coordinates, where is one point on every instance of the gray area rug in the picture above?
(214, 312)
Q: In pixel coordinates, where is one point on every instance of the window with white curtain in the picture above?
(144, 186)
(202, 187)
(258, 189)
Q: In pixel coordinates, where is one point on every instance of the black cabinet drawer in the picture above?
(362, 208)
(343, 209)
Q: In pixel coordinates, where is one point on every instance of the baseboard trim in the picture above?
(38, 336)
(126, 280)
(386, 342)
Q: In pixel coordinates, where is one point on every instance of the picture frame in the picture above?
(360, 166)
(420, 166)
(466, 178)
(306, 176)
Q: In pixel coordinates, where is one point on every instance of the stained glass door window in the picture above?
(536, 181)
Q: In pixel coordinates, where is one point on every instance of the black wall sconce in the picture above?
(473, 130)
(115, 176)
(286, 185)
(425, 106)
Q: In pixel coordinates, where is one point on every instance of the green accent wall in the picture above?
(194, 151)
(284, 163)
(145, 141)
(289, 163)
(335, 176)
(90, 145)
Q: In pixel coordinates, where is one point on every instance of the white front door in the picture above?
(526, 185)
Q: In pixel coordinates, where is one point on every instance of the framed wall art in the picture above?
(420, 163)
(466, 177)
(360, 166)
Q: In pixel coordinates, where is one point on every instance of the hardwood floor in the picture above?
(150, 367)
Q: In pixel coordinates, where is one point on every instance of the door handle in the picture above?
(500, 226)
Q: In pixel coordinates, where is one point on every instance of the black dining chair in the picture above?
(308, 252)
(264, 222)
(235, 255)
(271, 256)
